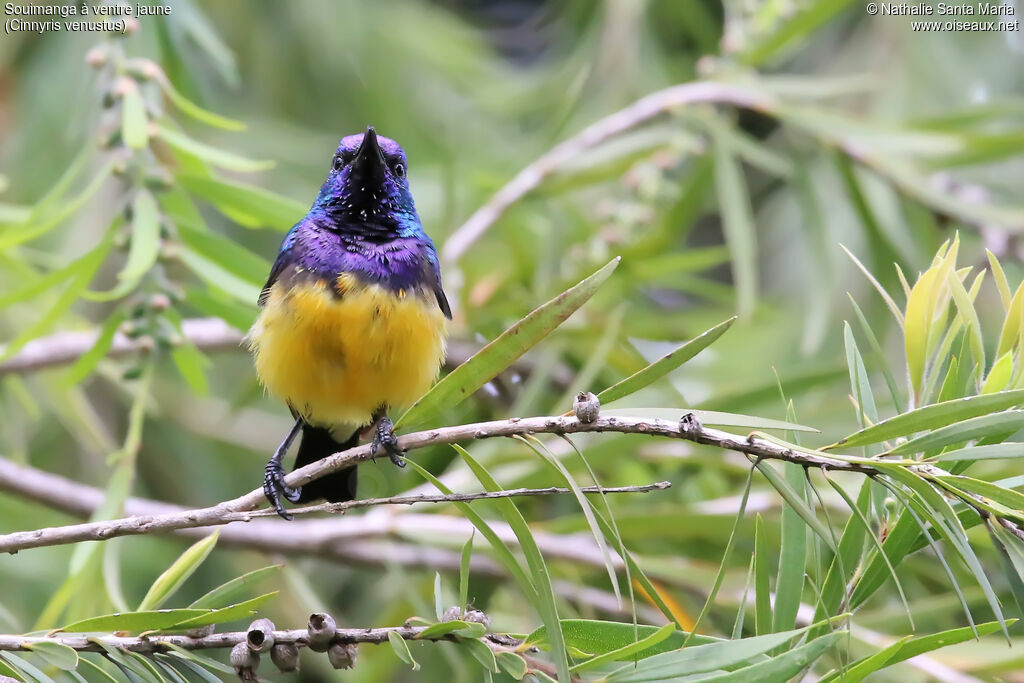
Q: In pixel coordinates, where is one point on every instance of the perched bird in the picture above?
(353, 316)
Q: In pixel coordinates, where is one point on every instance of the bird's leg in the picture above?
(273, 478)
(384, 438)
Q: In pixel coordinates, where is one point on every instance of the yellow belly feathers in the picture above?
(337, 359)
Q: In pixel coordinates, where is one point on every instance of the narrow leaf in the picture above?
(401, 650)
(932, 417)
(503, 351)
(170, 581)
(664, 365)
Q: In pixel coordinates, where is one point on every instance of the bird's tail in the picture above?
(317, 443)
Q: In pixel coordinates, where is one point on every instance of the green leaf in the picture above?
(880, 358)
(145, 243)
(1014, 500)
(467, 555)
(799, 505)
(88, 361)
(465, 629)
(886, 297)
(401, 649)
(226, 253)
(56, 654)
(867, 412)
(133, 621)
(781, 668)
(702, 658)
(737, 224)
(212, 155)
(201, 660)
(870, 533)
(174, 576)
(223, 615)
(588, 511)
(938, 512)
(501, 552)
(220, 595)
(503, 351)
(85, 269)
(908, 647)
(627, 651)
(996, 451)
(1006, 422)
(192, 109)
(481, 653)
(191, 362)
(594, 637)
(134, 123)
(545, 604)
(1000, 278)
(39, 225)
(762, 579)
(710, 418)
(28, 671)
(1010, 335)
(965, 307)
(931, 417)
(789, 582)
(1000, 374)
(262, 207)
(214, 275)
(664, 365)
(512, 664)
(438, 601)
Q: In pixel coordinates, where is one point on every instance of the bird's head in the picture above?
(367, 189)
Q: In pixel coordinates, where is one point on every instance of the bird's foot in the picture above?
(273, 483)
(385, 439)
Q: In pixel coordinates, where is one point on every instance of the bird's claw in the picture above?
(273, 483)
(385, 439)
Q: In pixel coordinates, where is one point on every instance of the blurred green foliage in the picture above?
(133, 198)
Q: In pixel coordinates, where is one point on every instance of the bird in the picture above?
(353, 317)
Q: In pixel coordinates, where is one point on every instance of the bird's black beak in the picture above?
(369, 164)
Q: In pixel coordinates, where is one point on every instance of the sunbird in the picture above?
(353, 317)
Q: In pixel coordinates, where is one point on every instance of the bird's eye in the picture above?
(400, 170)
(338, 162)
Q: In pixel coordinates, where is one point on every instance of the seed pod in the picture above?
(452, 613)
(245, 661)
(342, 655)
(260, 637)
(321, 629)
(475, 615)
(285, 657)
(587, 407)
(96, 57)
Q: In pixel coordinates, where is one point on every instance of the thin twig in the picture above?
(637, 113)
(341, 508)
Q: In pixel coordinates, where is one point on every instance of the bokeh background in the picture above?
(880, 138)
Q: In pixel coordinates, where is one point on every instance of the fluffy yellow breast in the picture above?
(337, 359)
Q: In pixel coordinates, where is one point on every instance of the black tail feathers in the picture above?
(318, 443)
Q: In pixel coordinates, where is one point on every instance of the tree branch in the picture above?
(159, 643)
(641, 111)
(239, 509)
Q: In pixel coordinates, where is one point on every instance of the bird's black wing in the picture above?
(275, 272)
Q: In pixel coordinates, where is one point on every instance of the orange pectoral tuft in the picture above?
(337, 359)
